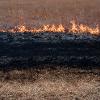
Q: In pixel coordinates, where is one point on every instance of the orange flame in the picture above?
(54, 28)
(75, 28)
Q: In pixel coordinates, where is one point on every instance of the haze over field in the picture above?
(38, 12)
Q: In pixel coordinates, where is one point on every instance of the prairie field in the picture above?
(50, 84)
(65, 82)
(38, 12)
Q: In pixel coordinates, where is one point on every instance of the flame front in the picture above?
(74, 28)
(81, 28)
(53, 28)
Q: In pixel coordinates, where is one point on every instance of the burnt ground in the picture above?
(28, 50)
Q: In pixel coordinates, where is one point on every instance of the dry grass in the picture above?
(49, 11)
(47, 84)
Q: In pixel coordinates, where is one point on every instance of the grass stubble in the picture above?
(50, 84)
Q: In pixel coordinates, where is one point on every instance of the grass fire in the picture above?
(49, 50)
(74, 28)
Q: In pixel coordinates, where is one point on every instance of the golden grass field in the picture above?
(49, 11)
(48, 84)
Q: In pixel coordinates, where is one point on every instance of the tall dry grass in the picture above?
(49, 11)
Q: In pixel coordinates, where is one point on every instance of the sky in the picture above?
(38, 12)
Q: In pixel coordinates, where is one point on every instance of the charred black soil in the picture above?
(33, 50)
